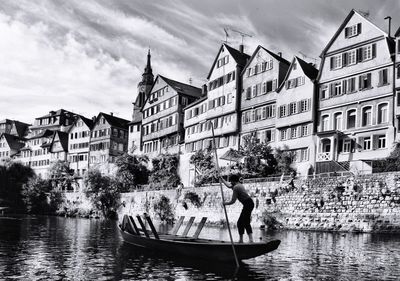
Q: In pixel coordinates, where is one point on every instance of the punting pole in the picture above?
(222, 195)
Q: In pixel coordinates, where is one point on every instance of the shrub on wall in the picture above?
(132, 171)
(205, 168)
(194, 198)
(104, 192)
(165, 170)
(164, 210)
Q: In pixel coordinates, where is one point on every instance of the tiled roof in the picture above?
(14, 142)
(183, 88)
(56, 113)
(115, 121)
(239, 57)
(308, 69)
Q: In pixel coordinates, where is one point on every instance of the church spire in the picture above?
(148, 72)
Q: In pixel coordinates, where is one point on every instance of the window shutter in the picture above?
(369, 80)
(344, 59)
(359, 54)
(332, 62)
(358, 28)
(375, 141)
(287, 84)
(274, 84)
(331, 89)
(380, 77)
(211, 104)
(360, 79)
(360, 143)
(344, 84)
(298, 107)
(346, 32)
(374, 50)
(248, 93)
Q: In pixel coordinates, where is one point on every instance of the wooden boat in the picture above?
(192, 247)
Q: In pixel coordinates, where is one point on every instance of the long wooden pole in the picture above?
(222, 195)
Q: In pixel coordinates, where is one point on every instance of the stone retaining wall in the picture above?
(360, 203)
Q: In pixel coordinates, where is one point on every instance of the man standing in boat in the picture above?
(240, 193)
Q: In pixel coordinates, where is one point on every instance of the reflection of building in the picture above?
(262, 75)
(109, 139)
(162, 123)
(144, 87)
(296, 113)
(355, 97)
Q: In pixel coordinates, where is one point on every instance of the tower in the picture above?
(145, 85)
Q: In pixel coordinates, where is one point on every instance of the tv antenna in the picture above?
(307, 57)
(241, 33)
(364, 13)
(226, 35)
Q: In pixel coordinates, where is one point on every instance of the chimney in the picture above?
(204, 90)
(280, 54)
(112, 113)
(94, 119)
(241, 48)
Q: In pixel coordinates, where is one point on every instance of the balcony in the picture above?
(324, 156)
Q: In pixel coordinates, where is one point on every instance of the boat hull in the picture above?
(204, 249)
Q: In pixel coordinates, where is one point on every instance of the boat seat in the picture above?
(177, 225)
(200, 227)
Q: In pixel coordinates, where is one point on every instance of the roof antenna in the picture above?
(226, 35)
(307, 57)
(242, 34)
(364, 13)
(190, 80)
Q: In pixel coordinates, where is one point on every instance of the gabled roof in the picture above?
(63, 137)
(275, 56)
(20, 127)
(114, 121)
(239, 57)
(45, 133)
(343, 25)
(14, 142)
(308, 69)
(179, 87)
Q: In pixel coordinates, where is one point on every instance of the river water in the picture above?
(54, 248)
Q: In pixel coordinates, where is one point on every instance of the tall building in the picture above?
(296, 111)
(220, 108)
(144, 87)
(262, 75)
(356, 123)
(108, 140)
(163, 119)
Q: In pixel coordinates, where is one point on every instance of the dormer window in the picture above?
(352, 31)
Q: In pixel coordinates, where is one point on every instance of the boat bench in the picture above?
(129, 225)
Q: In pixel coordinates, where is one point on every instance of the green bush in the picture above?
(164, 210)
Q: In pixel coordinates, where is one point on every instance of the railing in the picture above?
(324, 156)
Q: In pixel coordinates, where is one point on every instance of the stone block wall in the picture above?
(361, 203)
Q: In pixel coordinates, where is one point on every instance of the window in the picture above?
(383, 77)
(381, 141)
(351, 119)
(367, 143)
(292, 108)
(352, 30)
(347, 145)
(367, 116)
(282, 111)
(338, 121)
(305, 105)
(337, 88)
(324, 94)
(351, 57)
(284, 134)
(365, 81)
(325, 123)
(367, 52)
(382, 113)
(305, 130)
(304, 154)
(350, 85)
(336, 61)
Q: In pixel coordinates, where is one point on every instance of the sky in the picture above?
(88, 56)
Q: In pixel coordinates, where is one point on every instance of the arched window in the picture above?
(367, 116)
(338, 121)
(351, 118)
(383, 113)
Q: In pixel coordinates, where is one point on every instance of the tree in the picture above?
(103, 192)
(34, 194)
(165, 170)
(164, 209)
(132, 170)
(13, 175)
(61, 175)
(203, 160)
(259, 159)
(392, 162)
(284, 158)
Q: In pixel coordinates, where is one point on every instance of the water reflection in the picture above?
(38, 248)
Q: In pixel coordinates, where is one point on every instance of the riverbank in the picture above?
(367, 203)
